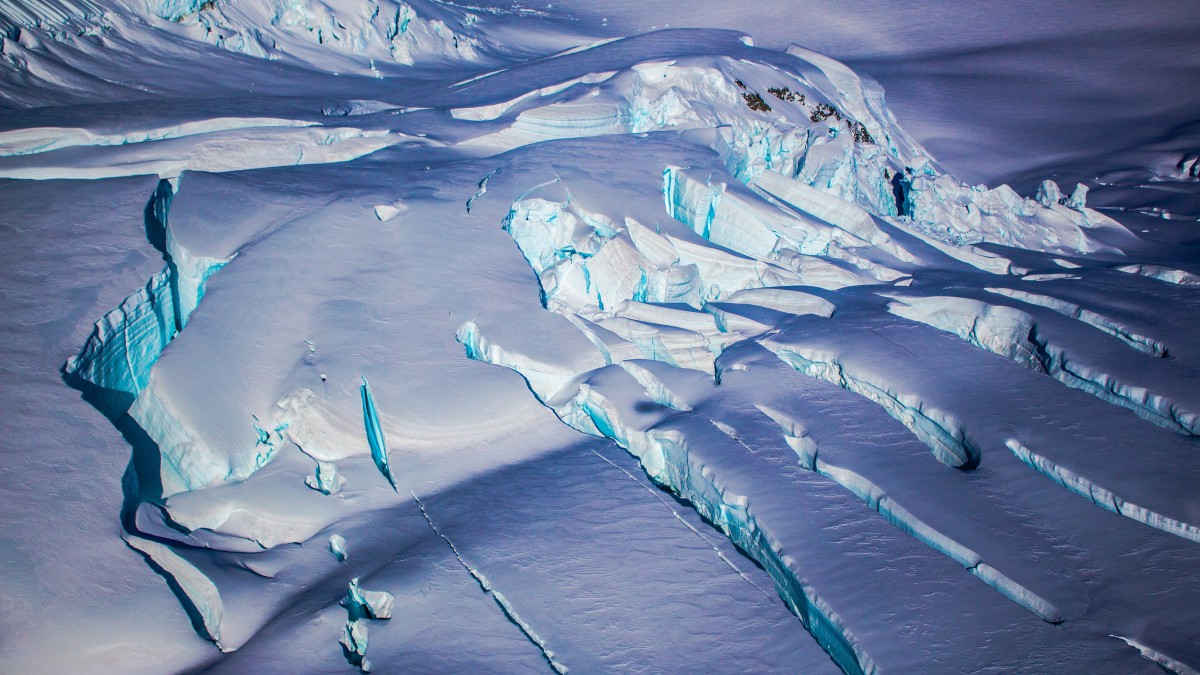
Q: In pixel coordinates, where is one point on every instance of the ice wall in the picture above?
(127, 341)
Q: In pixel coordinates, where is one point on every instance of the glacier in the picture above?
(605, 339)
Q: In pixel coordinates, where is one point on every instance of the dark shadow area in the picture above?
(142, 480)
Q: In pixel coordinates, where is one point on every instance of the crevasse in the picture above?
(873, 496)
(127, 342)
(1099, 496)
(665, 458)
(1014, 333)
(945, 436)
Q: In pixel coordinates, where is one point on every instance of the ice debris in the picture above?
(337, 546)
(385, 212)
(326, 479)
(374, 605)
(354, 643)
(361, 606)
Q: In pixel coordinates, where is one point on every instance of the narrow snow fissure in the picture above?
(501, 600)
(699, 535)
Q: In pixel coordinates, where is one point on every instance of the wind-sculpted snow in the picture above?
(33, 141)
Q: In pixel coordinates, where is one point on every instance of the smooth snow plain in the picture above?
(419, 337)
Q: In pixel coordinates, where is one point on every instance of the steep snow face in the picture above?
(197, 589)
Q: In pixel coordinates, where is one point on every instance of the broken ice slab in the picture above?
(375, 605)
(337, 546)
(354, 642)
(326, 479)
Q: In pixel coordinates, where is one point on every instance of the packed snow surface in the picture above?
(417, 336)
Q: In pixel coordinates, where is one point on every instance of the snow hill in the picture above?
(415, 336)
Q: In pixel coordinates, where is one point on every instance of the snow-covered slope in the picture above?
(452, 338)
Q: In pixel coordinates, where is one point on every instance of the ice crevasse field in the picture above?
(566, 337)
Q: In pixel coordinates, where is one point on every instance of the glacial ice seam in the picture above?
(1163, 274)
(700, 535)
(126, 343)
(1071, 310)
(1168, 663)
(1014, 334)
(270, 147)
(374, 431)
(666, 459)
(1149, 406)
